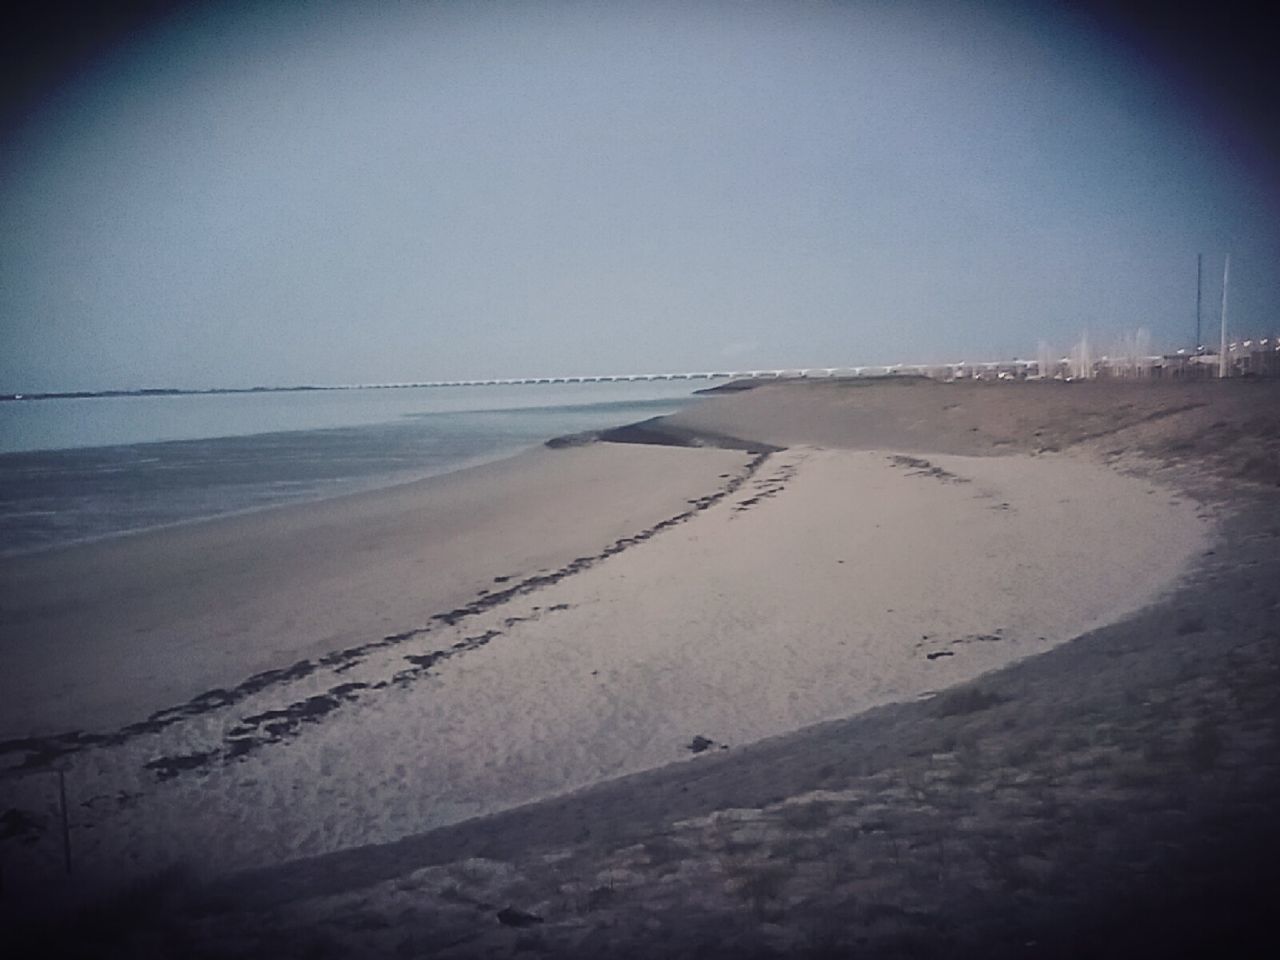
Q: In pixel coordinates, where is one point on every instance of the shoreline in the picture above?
(582, 621)
(270, 568)
(373, 486)
(241, 491)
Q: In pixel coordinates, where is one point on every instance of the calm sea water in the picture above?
(82, 469)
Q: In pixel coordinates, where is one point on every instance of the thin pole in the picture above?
(66, 826)
(1199, 274)
(1222, 354)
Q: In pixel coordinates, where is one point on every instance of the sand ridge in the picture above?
(1184, 431)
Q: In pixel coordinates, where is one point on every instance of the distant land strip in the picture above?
(1248, 357)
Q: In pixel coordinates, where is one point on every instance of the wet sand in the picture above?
(103, 635)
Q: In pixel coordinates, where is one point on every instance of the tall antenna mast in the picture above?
(1199, 273)
(1222, 352)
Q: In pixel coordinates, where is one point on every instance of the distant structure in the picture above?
(1224, 362)
(1081, 363)
(1131, 358)
(1199, 276)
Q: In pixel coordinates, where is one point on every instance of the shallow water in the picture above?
(80, 469)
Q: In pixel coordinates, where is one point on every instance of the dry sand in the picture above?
(1113, 797)
(647, 617)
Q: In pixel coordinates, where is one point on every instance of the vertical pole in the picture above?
(1222, 352)
(66, 825)
(1199, 273)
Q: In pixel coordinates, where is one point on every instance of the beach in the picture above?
(351, 678)
(102, 635)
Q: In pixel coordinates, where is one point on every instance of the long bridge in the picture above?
(1255, 357)
(1247, 356)
(993, 368)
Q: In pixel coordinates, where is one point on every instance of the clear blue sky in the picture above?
(332, 193)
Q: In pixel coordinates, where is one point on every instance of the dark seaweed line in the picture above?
(274, 726)
(768, 487)
(279, 724)
(43, 752)
(916, 467)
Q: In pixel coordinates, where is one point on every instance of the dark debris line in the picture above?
(767, 487)
(918, 467)
(279, 724)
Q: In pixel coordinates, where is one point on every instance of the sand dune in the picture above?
(1230, 428)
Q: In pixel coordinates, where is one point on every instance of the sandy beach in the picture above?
(106, 634)
(350, 675)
